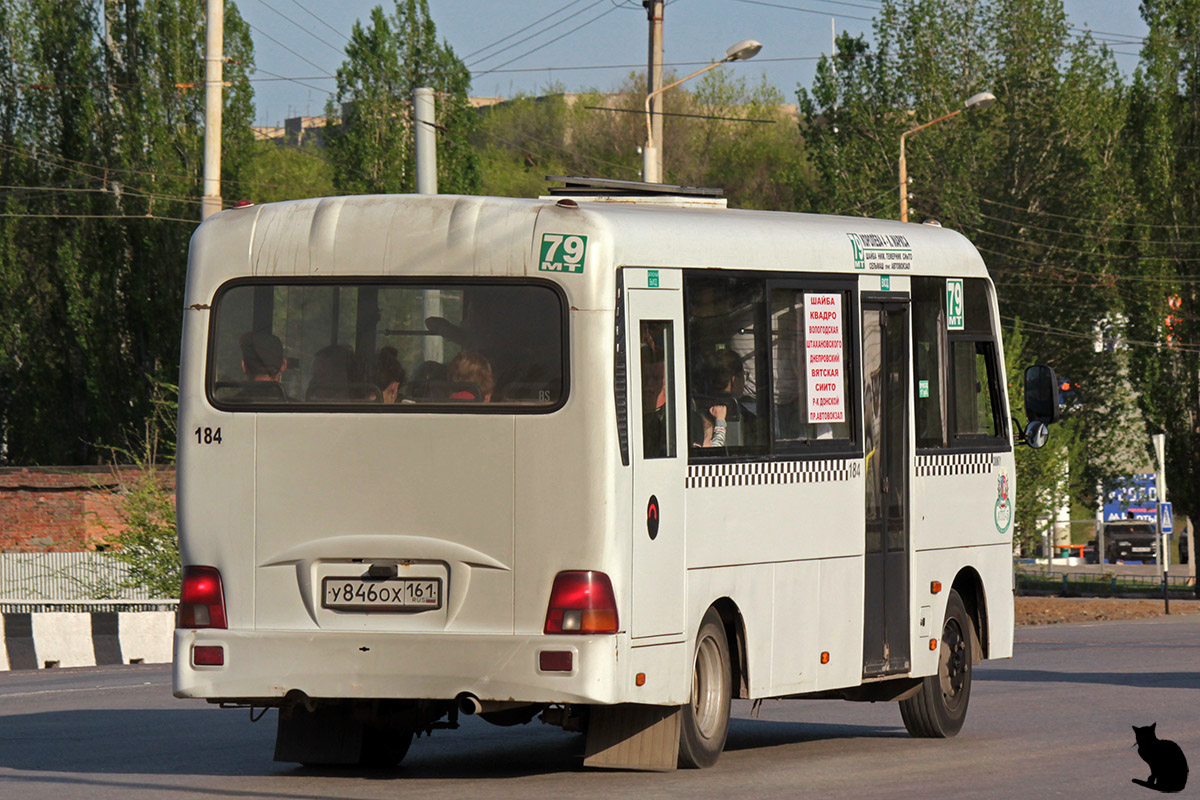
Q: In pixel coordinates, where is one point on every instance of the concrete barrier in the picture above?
(42, 640)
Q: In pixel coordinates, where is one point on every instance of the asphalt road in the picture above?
(1052, 722)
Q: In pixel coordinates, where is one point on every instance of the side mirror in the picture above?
(1041, 395)
(1036, 434)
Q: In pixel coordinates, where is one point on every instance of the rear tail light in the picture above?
(582, 602)
(202, 600)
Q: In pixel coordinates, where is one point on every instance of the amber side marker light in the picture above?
(825, 657)
(933, 644)
(935, 587)
(640, 679)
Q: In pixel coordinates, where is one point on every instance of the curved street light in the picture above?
(980, 101)
(747, 48)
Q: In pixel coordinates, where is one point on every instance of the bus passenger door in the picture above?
(885, 425)
(658, 448)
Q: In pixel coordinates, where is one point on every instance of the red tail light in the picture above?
(582, 602)
(202, 601)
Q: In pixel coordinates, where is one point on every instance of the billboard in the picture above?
(1136, 494)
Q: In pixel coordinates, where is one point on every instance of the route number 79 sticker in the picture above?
(562, 253)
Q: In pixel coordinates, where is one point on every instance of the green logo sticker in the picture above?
(922, 388)
(955, 313)
(652, 278)
(885, 282)
(562, 253)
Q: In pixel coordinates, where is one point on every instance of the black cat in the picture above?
(1168, 767)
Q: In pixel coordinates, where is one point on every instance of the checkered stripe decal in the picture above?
(956, 464)
(773, 473)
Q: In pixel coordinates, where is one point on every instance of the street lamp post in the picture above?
(738, 52)
(981, 100)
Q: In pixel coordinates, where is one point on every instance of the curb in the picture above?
(44, 640)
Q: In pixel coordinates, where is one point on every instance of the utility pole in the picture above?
(425, 139)
(213, 59)
(1164, 560)
(652, 161)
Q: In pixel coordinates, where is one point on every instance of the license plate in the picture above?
(1142, 549)
(391, 594)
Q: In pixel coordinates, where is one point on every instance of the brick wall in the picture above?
(60, 508)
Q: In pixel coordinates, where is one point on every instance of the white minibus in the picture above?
(608, 458)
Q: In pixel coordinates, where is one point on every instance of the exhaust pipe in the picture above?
(469, 704)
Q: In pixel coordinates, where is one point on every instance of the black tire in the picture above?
(705, 721)
(383, 748)
(939, 708)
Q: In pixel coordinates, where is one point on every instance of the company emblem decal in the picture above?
(1003, 513)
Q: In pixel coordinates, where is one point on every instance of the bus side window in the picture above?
(929, 361)
(658, 389)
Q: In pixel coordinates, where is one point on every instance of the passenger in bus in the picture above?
(654, 397)
(389, 374)
(425, 378)
(507, 326)
(469, 367)
(263, 364)
(338, 376)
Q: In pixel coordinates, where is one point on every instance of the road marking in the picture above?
(82, 689)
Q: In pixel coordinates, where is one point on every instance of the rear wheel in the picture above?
(705, 721)
(938, 709)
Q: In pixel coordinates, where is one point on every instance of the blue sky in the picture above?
(302, 40)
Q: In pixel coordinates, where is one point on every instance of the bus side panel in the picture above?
(994, 565)
(751, 588)
(215, 485)
(794, 659)
(963, 500)
(771, 521)
(840, 630)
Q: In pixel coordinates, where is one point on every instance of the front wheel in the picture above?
(939, 707)
(705, 722)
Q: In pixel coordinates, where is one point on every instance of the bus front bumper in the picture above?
(266, 665)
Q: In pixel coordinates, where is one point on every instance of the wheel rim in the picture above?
(954, 664)
(706, 688)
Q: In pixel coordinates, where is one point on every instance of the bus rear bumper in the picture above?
(266, 665)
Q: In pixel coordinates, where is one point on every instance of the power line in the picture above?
(284, 46)
(298, 81)
(552, 41)
(679, 114)
(318, 19)
(522, 30)
(1091, 236)
(1091, 253)
(1084, 219)
(335, 49)
(806, 10)
(101, 216)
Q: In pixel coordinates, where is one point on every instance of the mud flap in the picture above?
(633, 736)
(325, 735)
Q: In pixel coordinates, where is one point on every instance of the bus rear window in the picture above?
(387, 346)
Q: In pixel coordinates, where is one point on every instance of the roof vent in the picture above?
(615, 191)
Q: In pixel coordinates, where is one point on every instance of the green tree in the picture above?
(277, 172)
(1165, 118)
(93, 252)
(370, 140)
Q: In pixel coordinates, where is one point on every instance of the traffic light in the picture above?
(1068, 391)
(1173, 322)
